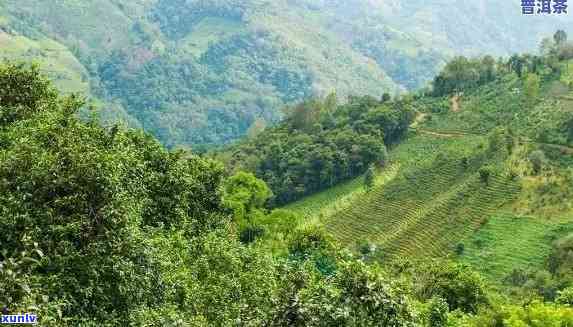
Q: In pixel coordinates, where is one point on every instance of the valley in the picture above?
(201, 73)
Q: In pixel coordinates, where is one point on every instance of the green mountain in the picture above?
(204, 72)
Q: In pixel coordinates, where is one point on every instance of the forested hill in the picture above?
(204, 72)
(321, 143)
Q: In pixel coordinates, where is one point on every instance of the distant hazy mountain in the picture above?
(203, 71)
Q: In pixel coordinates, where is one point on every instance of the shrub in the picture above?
(460, 248)
(485, 174)
(250, 233)
(565, 296)
(457, 284)
(438, 313)
(538, 160)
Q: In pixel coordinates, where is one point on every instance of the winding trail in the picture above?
(563, 148)
(456, 103)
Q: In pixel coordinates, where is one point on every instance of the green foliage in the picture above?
(538, 160)
(176, 18)
(430, 204)
(105, 227)
(86, 195)
(461, 74)
(516, 64)
(245, 193)
(460, 248)
(369, 178)
(531, 88)
(458, 285)
(565, 297)
(250, 233)
(560, 261)
(496, 253)
(484, 174)
(534, 314)
(321, 144)
(309, 241)
(538, 315)
(357, 296)
(535, 107)
(438, 313)
(23, 92)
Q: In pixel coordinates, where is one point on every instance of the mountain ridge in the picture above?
(205, 71)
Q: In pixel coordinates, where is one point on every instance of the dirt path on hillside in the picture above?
(456, 103)
(420, 118)
(563, 148)
(442, 134)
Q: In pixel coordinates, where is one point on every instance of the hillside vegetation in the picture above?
(105, 227)
(484, 176)
(321, 143)
(204, 72)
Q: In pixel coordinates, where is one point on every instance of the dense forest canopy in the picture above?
(321, 143)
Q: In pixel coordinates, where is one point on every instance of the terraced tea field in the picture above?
(510, 242)
(435, 200)
(322, 205)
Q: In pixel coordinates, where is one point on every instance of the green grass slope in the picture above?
(507, 242)
(319, 207)
(55, 60)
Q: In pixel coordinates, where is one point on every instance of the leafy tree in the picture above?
(308, 241)
(463, 74)
(245, 193)
(369, 178)
(83, 196)
(531, 88)
(538, 160)
(386, 97)
(487, 69)
(560, 37)
(438, 313)
(458, 285)
(367, 297)
(460, 248)
(320, 144)
(485, 174)
(23, 92)
(560, 261)
(516, 64)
